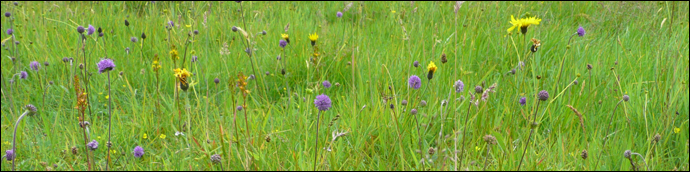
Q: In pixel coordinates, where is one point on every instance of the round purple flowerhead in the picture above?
(416, 63)
(216, 80)
(93, 145)
(414, 82)
(8, 14)
(35, 65)
(90, 30)
(10, 31)
(339, 14)
(322, 102)
(196, 32)
(194, 59)
(581, 31)
(626, 98)
(171, 24)
(80, 29)
(215, 159)
(9, 154)
(523, 101)
(239, 108)
(126, 23)
(326, 84)
(23, 75)
(478, 89)
(105, 65)
(134, 39)
(283, 43)
(413, 111)
(543, 95)
(138, 152)
(459, 86)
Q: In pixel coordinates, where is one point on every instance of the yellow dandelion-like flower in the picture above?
(107, 97)
(523, 23)
(286, 37)
(676, 130)
(162, 136)
(145, 136)
(432, 69)
(173, 54)
(477, 148)
(313, 38)
(182, 75)
(113, 151)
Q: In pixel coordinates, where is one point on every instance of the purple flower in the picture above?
(326, 84)
(416, 64)
(91, 30)
(134, 39)
(322, 102)
(34, 65)
(23, 75)
(171, 24)
(626, 98)
(9, 154)
(196, 32)
(478, 89)
(339, 14)
(8, 14)
(581, 31)
(543, 95)
(194, 59)
(80, 29)
(10, 31)
(413, 111)
(216, 80)
(283, 43)
(459, 86)
(414, 82)
(105, 65)
(93, 145)
(138, 152)
(239, 108)
(523, 101)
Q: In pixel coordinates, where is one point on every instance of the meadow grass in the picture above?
(635, 48)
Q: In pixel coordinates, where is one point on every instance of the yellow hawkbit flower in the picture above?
(313, 38)
(676, 130)
(523, 23)
(162, 136)
(174, 54)
(432, 69)
(182, 75)
(286, 37)
(145, 136)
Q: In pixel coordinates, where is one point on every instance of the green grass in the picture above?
(366, 52)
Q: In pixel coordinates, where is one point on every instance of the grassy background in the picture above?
(367, 51)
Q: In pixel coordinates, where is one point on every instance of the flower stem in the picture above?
(488, 148)
(110, 117)
(531, 131)
(14, 139)
(464, 130)
(606, 134)
(316, 147)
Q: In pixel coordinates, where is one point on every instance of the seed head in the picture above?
(489, 139)
(31, 109)
(627, 154)
(423, 103)
(626, 98)
(215, 159)
(589, 66)
(126, 23)
(143, 35)
(234, 29)
(584, 154)
(657, 138)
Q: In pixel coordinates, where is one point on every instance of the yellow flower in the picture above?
(286, 37)
(313, 38)
(173, 54)
(182, 75)
(676, 130)
(162, 136)
(523, 23)
(477, 148)
(145, 136)
(393, 11)
(431, 67)
(188, 26)
(107, 97)
(113, 151)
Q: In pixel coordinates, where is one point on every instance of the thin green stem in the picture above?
(316, 147)
(531, 131)
(14, 139)
(110, 120)
(603, 147)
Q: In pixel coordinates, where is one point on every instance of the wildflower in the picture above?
(9, 154)
(313, 38)
(239, 108)
(145, 136)
(215, 159)
(282, 44)
(626, 98)
(322, 102)
(194, 59)
(416, 64)
(326, 84)
(543, 95)
(174, 54)
(182, 75)
(105, 65)
(522, 24)
(423, 103)
(138, 152)
(162, 136)
(8, 14)
(9, 32)
(404, 103)
(657, 138)
(133, 39)
(196, 32)
(93, 145)
(126, 23)
(580, 31)
(263, 32)
(90, 30)
(46, 64)
(676, 130)
(286, 37)
(234, 29)
(443, 58)
(523, 101)
(171, 23)
(478, 89)
(627, 154)
(535, 45)
(216, 81)
(459, 86)
(34, 65)
(31, 109)
(431, 68)
(80, 29)
(414, 82)
(23, 75)
(489, 139)
(589, 66)
(339, 14)
(143, 35)
(413, 111)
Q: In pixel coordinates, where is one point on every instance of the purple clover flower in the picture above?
(239, 108)
(322, 102)
(543, 95)
(105, 65)
(8, 14)
(414, 82)
(171, 23)
(339, 14)
(34, 65)
(416, 63)
(326, 84)
(91, 30)
(581, 31)
(138, 152)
